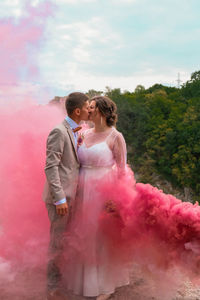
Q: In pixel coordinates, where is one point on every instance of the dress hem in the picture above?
(100, 292)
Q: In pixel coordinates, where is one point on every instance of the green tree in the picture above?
(92, 93)
(192, 87)
(139, 89)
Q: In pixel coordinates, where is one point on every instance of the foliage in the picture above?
(92, 93)
(161, 126)
(192, 87)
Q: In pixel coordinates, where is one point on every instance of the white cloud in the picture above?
(76, 55)
(35, 2)
(124, 1)
(92, 44)
(15, 8)
(74, 1)
(11, 3)
(74, 80)
(70, 78)
(74, 45)
(11, 8)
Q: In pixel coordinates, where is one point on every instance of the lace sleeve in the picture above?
(119, 152)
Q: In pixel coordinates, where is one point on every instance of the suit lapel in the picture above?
(71, 137)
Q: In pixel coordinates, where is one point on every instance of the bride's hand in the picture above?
(110, 206)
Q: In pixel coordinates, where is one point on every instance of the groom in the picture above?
(62, 170)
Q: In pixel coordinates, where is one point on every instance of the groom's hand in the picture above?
(62, 209)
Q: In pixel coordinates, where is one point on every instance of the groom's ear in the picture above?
(77, 111)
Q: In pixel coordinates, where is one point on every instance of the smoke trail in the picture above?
(24, 127)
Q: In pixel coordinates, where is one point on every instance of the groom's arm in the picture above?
(54, 152)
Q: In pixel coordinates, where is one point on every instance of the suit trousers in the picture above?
(56, 246)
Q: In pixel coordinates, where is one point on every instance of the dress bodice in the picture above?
(102, 149)
(97, 155)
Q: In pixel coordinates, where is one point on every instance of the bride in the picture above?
(102, 155)
(115, 221)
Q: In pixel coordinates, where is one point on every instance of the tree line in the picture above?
(161, 126)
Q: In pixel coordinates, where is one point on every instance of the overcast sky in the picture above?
(90, 44)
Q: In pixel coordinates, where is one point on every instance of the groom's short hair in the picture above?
(75, 100)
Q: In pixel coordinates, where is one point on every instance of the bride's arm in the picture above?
(120, 153)
(118, 147)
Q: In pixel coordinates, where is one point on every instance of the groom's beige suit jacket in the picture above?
(62, 165)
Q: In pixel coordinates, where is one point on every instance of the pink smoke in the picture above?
(149, 227)
(23, 218)
(24, 225)
(152, 227)
(21, 41)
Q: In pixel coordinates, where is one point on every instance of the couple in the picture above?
(73, 169)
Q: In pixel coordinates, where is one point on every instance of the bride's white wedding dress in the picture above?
(148, 227)
(102, 157)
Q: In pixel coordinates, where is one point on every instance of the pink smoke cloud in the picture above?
(21, 41)
(24, 225)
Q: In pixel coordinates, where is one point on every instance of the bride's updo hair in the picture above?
(107, 108)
